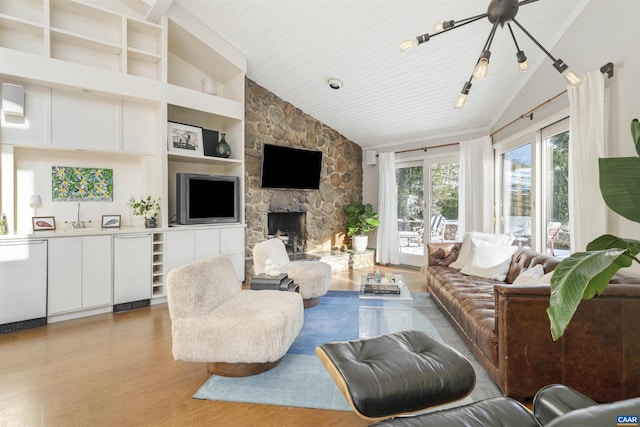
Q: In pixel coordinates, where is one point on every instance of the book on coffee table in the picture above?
(381, 289)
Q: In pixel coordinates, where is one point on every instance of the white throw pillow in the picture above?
(496, 239)
(530, 276)
(488, 260)
(547, 277)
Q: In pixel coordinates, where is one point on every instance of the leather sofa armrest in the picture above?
(443, 253)
(527, 355)
(555, 400)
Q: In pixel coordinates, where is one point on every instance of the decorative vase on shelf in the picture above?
(150, 222)
(223, 149)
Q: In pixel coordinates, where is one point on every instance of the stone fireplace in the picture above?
(270, 120)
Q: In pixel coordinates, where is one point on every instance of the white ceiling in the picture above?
(388, 98)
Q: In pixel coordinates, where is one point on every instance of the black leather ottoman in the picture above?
(397, 373)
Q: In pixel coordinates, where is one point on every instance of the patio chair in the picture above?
(553, 229)
(437, 227)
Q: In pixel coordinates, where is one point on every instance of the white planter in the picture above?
(360, 242)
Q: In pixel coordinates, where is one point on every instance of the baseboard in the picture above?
(23, 324)
(131, 305)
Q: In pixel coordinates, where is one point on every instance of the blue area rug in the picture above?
(300, 379)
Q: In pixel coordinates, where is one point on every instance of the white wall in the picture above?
(33, 171)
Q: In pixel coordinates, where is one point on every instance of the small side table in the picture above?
(281, 282)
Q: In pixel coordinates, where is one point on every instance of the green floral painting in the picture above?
(71, 184)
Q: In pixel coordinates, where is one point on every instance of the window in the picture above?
(427, 204)
(532, 191)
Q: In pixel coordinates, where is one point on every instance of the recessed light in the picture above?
(335, 83)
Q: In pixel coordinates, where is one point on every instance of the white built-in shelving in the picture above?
(85, 66)
(157, 268)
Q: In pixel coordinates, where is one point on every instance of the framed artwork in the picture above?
(43, 223)
(110, 221)
(75, 184)
(185, 139)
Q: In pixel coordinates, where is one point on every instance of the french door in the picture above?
(533, 189)
(427, 205)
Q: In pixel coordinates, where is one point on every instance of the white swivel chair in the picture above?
(313, 277)
(236, 332)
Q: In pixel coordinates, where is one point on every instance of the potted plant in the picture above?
(148, 208)
(360, 220)
(583, 275)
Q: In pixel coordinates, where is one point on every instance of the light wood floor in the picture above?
(117, 369)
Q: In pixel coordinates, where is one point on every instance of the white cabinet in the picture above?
(232, 245)
(23, 282)
(191, 244)
(79, 273)
(132, 260)
(139, 127)
(81, 120)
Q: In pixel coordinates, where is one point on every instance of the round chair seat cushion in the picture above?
(314, 277)
(398, 373)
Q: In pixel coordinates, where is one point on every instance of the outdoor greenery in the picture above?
(444, 190)
(558, 149)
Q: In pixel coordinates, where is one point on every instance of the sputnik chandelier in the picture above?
(499, 12)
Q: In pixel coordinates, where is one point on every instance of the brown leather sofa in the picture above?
(507, 328)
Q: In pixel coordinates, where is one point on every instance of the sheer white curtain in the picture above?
(476, 186)
(387, 236)
(587, 209)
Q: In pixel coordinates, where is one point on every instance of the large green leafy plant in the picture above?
(584, 275)
(360, 218)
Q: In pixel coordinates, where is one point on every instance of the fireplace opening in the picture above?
(290, 227)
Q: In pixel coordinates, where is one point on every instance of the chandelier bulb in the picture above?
(408, 44)
(442, 26)
(572, 78)
(462, 99)
(522, 61)
(482, 67)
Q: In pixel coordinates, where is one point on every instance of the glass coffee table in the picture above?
(381, 314)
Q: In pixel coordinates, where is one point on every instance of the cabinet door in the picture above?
(23, 280)
(180, 248)
(83, 121)
(96, 271)
(207, 243)
(232, 245)
(65, 274)
(131, 268)
(139, 127)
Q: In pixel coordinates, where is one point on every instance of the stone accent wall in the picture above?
(271, 120)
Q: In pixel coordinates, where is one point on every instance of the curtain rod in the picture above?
(427, 148)
(606, 68)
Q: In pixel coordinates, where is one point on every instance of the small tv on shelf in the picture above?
(290, 168)
(207, 199)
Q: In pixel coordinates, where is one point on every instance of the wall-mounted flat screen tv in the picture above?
(290, 168)
(207, 199)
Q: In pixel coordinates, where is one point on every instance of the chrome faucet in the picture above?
(77, 223)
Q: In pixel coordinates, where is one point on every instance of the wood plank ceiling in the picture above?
(388, 97)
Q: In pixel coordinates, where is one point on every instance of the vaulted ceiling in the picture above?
(388, 97)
